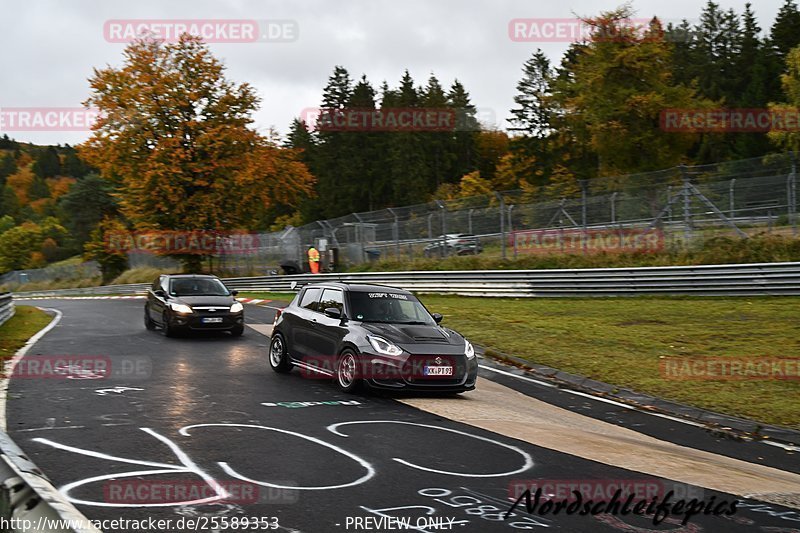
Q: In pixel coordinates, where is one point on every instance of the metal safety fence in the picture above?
(683, 206)
(766, 279)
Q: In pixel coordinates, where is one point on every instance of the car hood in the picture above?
(220, 301)
(409, 334)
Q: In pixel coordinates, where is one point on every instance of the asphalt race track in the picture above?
(206, 418)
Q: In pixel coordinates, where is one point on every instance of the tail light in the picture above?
(277, 315)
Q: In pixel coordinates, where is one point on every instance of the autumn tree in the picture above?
(112, 261)
(175, 137)
(790, 81)
(619, 87)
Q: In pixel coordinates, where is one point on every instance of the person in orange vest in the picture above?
(313, 260)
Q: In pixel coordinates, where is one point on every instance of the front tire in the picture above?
(169, 331)
(148, 322)
(347, 376)
(237, 331)
(278, 358)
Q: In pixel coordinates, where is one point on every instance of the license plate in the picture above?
(438, 370)
(212, 320)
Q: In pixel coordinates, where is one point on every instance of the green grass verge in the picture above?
(620, 341)
(280, 296)
(19, 328)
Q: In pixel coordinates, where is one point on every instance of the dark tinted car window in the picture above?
(388, 307)
(197, 287)
(332, 298)
(310, 298)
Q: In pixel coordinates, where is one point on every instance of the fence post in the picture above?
(792, 190)
(469, 221)
(584, 184)
(731, 202)
(502, 223)
(396, 231)
(511, 228)
(444, 227)
(613, 207)
(687, 212)
(669, 205)
(360, 232)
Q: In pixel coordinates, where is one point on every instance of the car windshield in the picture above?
(388, 307)
(197, 287)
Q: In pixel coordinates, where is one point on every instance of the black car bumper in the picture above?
(409, 373)
(207, 322)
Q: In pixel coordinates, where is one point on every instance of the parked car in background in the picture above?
(454, 244)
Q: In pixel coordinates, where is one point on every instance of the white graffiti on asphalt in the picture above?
(187, 466)
(528, 460)
(231, 472)
(115, 390)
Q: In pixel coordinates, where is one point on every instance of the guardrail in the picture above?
(6, 307)
(757, 279)
(29, 502)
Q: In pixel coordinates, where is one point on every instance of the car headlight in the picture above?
(382, 346)
(469, 350)
(181, 308)
(237, 307)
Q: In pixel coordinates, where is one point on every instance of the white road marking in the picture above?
(787, 447)
(10, 365)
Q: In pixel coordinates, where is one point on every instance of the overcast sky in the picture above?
(49, 47)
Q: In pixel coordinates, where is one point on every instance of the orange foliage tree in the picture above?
(176, 138)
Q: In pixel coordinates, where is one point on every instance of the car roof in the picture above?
(191, 276)
(358, 287)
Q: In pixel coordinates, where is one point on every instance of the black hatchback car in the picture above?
(372, 334)
(185, 302)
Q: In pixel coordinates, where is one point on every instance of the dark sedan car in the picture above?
(381, 336)
(186, 302)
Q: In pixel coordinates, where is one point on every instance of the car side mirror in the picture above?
(160, 293)
(437, 317)
(333, 312)
(234, 292)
